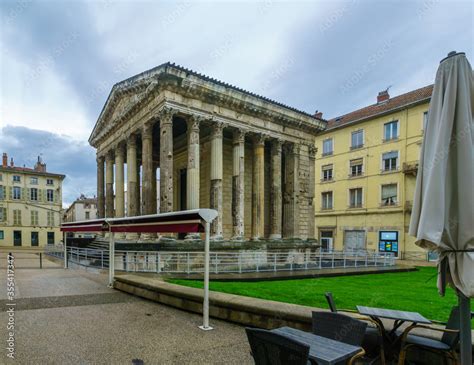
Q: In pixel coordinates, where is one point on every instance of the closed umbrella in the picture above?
(442, 217)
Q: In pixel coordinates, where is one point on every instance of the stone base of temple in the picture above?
(171, 244)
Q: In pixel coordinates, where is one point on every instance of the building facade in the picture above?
(367, 172)
(216, 146)
(30, 205)
(83, 208)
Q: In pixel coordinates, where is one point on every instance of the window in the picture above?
(326, 200)
(2, 192)
(390, 161)
(357, 139)
(355, 198)
(356, 167)
(33, 180)
(425, 120)
(327, 147)
(16, 178)
(34, 194)
(49, 182)
(16, 193)
(325, 240)
(34, 218)
(354, 240)
(50, 238)
(50, 195)
(3, 214)
(16, 217)
(389, 194)
(1, 177)
(88, 215)
(2, 235)
(327, 172)
(50, 217)
(391, 130)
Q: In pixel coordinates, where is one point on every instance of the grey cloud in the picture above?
(62, 154)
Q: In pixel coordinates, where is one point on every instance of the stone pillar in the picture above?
(147, 166)
(109, 185)
(238, 185)
(193, 175)
(132, 182)
(291, 194)
(258, 188)
(166, 160)
(100, 187)
(119, 185)
(216, 179)
(276, 208)
(312, 186)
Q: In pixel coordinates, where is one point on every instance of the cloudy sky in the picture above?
(59, 59)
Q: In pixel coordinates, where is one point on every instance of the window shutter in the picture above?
(23, 194)
(10, 195)
(356, 162)
(56, 195)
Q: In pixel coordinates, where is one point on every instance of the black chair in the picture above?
(446, 346)
(373, 339)
(269, 348)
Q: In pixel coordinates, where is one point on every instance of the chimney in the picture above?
(318, 114)
(11, 162)
(40, 166)
(383, 96)
(5, 160)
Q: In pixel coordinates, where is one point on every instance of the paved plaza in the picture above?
(71, 317)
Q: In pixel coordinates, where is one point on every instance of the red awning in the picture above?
(187, 221)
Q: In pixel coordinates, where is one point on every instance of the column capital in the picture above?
(194, 121)
(278, 143)
(147, 130)
(312, 150)
(217, 129)
(110, 155)
(132, 141)
(166, 115)
(120, 150)
(239, 136)
(100, 159)
(259, 139)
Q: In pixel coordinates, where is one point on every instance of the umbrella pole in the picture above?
(465, 328)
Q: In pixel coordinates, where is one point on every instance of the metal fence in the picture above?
(224, 262)
(419, 256)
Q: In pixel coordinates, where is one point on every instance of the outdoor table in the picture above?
(399, 317)
(321, 349)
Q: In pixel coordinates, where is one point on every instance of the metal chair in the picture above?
(446, 346)
(269, 348)
(373, 338)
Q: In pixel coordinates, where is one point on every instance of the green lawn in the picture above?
(411, 291)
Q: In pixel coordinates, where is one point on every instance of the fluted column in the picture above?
(147, 166)
(238, 184)
(109, 185)
(258, 187)
(119, 185)
(291, 194)
(276, 208)
(193, 175)
(312, 186)
(166, 160)
(100, 187)
(132, 181)
(216, 179)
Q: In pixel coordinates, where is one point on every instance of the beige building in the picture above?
(83, 208)
(367, 166)
(30, 205)
(217, 146)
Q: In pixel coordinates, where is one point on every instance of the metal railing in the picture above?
(419, 256)
(225, 262)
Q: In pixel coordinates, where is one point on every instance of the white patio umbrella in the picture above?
(442, 217)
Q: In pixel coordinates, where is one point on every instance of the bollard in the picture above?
(41, 261)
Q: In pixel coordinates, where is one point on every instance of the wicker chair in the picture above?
(269, 348)
(373, 339)
(446, 346)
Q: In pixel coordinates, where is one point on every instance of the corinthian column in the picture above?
(119, 185)
(216, 179)
(291, 194)
(312, 186)
(238, 184)
(276, 208)
(166, 160)
(100, 187)
(147, 175)
(109, 185)
(193, 176)
(258, 187)
(132, 181)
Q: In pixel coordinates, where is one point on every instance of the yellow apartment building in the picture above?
(365, 174)
(30, 205)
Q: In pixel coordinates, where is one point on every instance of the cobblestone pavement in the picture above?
(71, 317)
